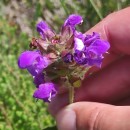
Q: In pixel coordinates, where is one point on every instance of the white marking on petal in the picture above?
(81, 22)
(36, 71)
(83, 55)
(78, 45)
(107, 52)
(49, 99)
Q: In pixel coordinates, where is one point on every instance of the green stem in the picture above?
(96, 9)
(64, 7)
(71, 94)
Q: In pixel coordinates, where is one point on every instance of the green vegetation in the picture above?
(18, 110)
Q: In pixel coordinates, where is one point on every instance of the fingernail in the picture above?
(66, 120)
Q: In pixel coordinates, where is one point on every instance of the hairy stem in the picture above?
(71, 94)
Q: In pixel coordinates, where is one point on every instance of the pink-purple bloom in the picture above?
(33, 61)
(90, 50)
(73, 20)
(45, 92)
(55, 54)
(44, 30)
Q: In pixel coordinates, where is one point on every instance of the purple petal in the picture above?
(80, 58)
(80, 35)
(40, 63)
(44, 30)
(73, 20)
(39, 79)
(45, 92)
(97, 62)
(42, 26)
(27, 58)
(32, 70)
(99, 46)
(91, 38)
(68, 58)
(78, 44)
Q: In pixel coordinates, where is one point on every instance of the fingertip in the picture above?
(66, 119)
(57, 103)
(80, 116)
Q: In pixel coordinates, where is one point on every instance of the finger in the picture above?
(109, 85)
(124, 102)
(115, 29)
(93, 116)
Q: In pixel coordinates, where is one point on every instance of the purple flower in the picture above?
(27, 58)
(34, 62)
(68, 58)
(45, 30)
(90, 50)
(73, 20)
(45, 92)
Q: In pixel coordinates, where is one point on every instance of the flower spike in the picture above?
(62, 58)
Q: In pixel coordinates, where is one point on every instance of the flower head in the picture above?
(63, 58)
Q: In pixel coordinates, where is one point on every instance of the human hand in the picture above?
(108, 85)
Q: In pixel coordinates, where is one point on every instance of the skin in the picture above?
(101, 103)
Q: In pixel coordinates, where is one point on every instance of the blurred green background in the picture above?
(18, 18)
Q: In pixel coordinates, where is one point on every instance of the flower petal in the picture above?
(73, 20)
(37, 67)
(91, 38)
(78, 44)
(45, 92)
(68, 58)
(32, 70)
(97, 62)
(42, 26)
(42, 62)
(39, 79)
(80, 57)
(66, 34)
(80, 35)
(27, 58)
(99, 46)
(44, 30)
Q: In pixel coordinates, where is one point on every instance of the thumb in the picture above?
(93, 116)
